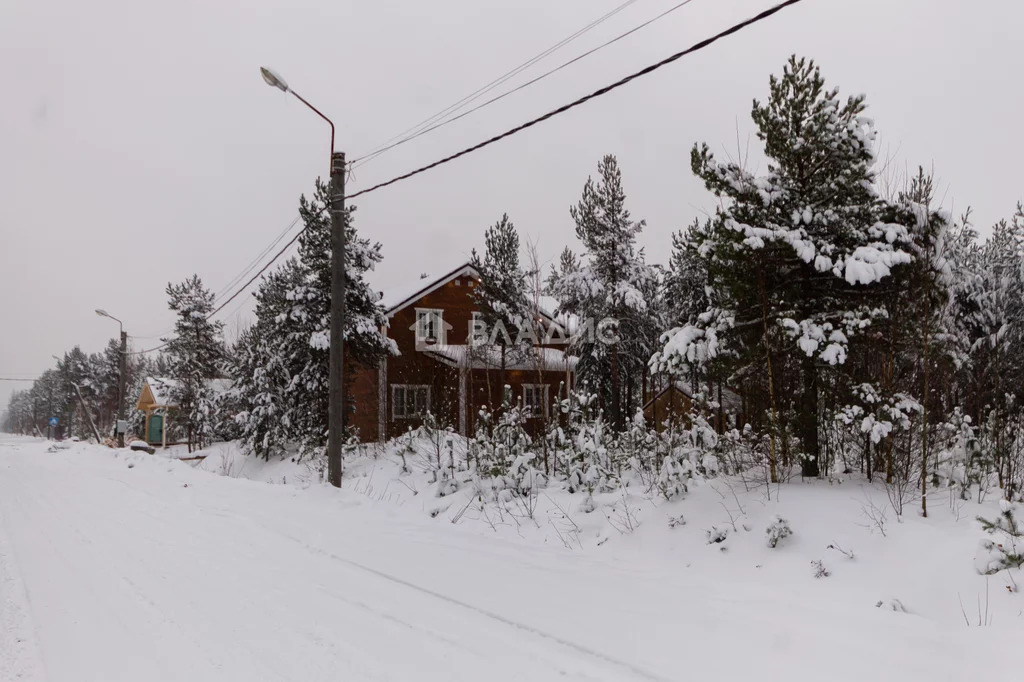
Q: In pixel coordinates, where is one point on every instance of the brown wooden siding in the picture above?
(412, 367)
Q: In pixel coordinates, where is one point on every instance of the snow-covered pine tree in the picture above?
(686, 281)
(989, 305)
(73, 370)
(303, 337)
(502, 298)
(263, 365)
(612, 288)
(795, 253)
(105, 371)
(196, 352)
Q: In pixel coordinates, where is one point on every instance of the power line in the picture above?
(13, 379)
(255, 261)
(512, 131)
(528, 83)
(237, 278)
(499, 80)
(586, 98)
(261, 271)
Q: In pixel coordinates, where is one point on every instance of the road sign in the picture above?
(53, 421)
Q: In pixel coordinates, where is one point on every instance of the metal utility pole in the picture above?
(122, 377)
(336, 370)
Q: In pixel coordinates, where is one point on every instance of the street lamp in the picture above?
(121, 378)
(336, 392)
(104, 313)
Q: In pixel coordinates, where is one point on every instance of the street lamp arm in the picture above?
(104, 313)
(318, 113)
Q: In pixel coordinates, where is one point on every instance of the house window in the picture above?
(477, 330)
(409, 401)
(428, 323)
(535, 399)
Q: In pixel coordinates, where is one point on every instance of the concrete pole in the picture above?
(122, 386)
(336, 394)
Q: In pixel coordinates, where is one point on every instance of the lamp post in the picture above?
(336, 392)
(122, 376)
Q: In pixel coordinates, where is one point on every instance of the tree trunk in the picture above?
(808, 419)
(772, 466)
(616, 405)
(924, 417)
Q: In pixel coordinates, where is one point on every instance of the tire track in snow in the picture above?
(578, 648)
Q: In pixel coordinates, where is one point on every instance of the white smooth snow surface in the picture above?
(118, 565)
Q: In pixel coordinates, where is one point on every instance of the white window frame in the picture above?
(438, 321)
(473, 339)
(398, 410)
(531, 409)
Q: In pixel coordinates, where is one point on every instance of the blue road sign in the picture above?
(53, 421)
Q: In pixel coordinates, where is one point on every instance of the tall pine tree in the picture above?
(611, 290)
(196, 353)
(501, 296)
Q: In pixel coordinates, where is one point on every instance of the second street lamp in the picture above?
(122, 377)
(336, 391)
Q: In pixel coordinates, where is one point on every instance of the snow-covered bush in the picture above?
(589, 457)
(958, 451)
(819, 569)
(993, 556)
(777, 530)
(686, 452)
(500, 439)
(716, 535)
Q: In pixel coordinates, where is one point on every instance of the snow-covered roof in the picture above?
(161, 388)
(489, 357)
(399, 297)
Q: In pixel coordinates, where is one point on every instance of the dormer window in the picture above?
(428, 324)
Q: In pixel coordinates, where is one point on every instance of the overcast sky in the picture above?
(138, 144)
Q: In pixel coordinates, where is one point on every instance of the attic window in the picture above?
(428, 323)
(458, 283)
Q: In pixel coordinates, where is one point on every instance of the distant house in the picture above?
(440, 370)
(674, 402)
(160, 409)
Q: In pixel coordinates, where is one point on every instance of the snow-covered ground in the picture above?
(117, 565)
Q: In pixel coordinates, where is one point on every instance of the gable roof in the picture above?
(731, 401)
(401, 297)
(156, 391)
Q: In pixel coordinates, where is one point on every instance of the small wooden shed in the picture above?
(156, 402)
(674, 402)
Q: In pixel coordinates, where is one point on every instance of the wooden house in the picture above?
(156, 401)
(674, 402)
(441, 370)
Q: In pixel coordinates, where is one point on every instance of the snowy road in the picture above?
(155, 571)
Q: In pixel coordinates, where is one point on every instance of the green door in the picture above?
(156, 429)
